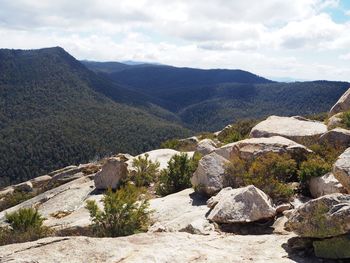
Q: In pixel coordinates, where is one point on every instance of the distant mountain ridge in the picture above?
(210, 99)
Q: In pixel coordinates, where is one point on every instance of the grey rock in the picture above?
(289, 127)
(242, 205)
(343, 104)
(336, 137)
(112, 172)
(325, 185)
(209, 176)
(206, 146)
(333, 248)
(324, 217)
(341, 169)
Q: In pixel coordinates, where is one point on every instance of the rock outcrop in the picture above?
(325, 185)
(324, 217)
(114, 170)
(341, 169)
(209, 176)
(206, 146)
(337, 137)
(343, 104)
(292, 128)
(63, 207)
(241, 205)
(253, 147)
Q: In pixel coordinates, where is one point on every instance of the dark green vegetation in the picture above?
(178, 174)
(270, 173)
(207, 100)
(124, 213)
(145, 171)
(273, 173)
(237, 131)
(26, 224)
(54, 112)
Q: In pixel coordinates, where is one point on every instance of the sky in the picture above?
(299, 39)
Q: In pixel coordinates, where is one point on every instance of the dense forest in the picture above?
(207, 100)
(56, 111)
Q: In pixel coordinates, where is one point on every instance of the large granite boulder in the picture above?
(253, 147)
(153, 247)
(324, 217)
(294, 128)
(337, 137)
(209, 177)
(333, 248)
(112, 172)
(178, 212)
(206, 146)
(341, 169)
(241, 205)
(343, 104)
(325, 185)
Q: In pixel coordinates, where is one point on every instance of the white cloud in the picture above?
(270, 37)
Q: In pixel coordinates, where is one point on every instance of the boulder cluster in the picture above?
(214, 204)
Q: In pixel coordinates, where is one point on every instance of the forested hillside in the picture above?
(210, 99)
(54, 112)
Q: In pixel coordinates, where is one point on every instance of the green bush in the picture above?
(238, 131)
(25, 219)
(177, 176)
(270, 172)
(26, 224)
(315, 166)
(124, 213)
(145, 171)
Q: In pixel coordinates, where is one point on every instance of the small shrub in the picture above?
(238, 131)
(177, 176)
(145, 171)
(315, 166)
(24, 219)
(328, 152)
(270, 173)
(26, 225)
(124, 213)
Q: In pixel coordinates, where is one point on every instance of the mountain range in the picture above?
(56, 110)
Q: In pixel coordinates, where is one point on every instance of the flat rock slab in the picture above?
(176, 212)
(56, 205)
(153, 247)
(293, 128)
(253, 147)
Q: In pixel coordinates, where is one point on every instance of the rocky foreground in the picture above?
(212, 222)
(155, 247)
